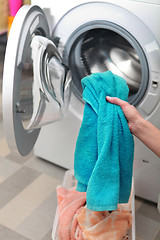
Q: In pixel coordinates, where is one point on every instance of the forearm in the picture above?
(148, 134)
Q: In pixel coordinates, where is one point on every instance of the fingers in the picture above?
(116, 101)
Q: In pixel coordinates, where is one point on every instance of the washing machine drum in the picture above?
(105, 50)
(100, 50)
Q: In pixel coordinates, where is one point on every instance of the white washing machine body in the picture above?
(133, 28)
(146, 163)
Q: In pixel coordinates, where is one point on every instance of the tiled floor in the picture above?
(28, 194)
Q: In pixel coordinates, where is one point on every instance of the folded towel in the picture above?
(103, 158)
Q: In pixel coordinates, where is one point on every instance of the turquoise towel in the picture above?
(104, 150)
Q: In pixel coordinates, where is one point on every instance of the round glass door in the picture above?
(36, 85)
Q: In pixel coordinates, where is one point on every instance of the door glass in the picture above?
(44, 87)
(25, 107)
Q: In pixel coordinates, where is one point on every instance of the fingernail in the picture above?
(108, 97)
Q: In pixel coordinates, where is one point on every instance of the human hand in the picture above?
(132, 115)
(145, 131)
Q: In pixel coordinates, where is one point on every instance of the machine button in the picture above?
(154, 83)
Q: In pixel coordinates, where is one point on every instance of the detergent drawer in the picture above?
(68, 182)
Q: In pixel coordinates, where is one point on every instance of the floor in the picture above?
(28, 193)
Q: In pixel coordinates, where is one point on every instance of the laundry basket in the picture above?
(69, 181)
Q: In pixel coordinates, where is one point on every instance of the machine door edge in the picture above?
(28, 22)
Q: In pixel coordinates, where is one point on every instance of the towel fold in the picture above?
(104, 225)
(103, 158)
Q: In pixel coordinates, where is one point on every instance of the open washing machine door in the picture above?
(36, 84)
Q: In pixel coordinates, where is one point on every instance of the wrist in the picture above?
(138, 127)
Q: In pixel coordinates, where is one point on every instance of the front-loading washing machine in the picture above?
(50, 50)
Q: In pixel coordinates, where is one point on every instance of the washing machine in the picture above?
(51, 46)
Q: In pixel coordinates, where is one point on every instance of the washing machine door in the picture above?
(36, 84)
